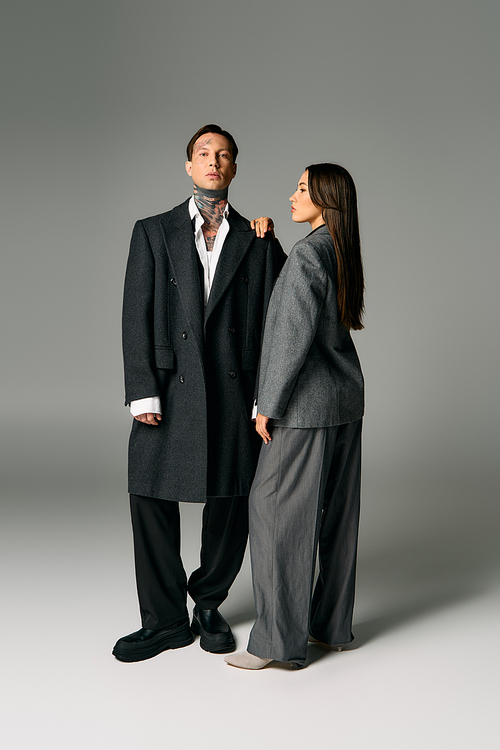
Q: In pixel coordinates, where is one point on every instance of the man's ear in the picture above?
(235, 167)
(188, 167)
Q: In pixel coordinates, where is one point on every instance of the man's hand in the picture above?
(261, 427)
(262, 225)
(148, 418)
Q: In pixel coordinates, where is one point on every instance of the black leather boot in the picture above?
(143, 644)
(215, 633)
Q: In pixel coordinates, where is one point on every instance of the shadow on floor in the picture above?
(410, 582)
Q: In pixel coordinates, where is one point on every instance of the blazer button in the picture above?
(244, 279)
(232, 330)
(181, 378)
(232, 374)
(173, 282)
(184, 335)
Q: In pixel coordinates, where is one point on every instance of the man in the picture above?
(196, 291)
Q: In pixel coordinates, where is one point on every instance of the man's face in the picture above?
(212, 166)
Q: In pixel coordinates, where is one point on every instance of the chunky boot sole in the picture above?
(154, 646)
(218, 643)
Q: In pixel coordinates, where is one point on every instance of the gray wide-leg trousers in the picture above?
(304, 500)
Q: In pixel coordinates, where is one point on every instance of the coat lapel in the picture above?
(235, 247)
(181, 249)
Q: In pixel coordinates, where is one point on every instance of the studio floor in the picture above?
(422, 673)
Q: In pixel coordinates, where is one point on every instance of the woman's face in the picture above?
(303, 209)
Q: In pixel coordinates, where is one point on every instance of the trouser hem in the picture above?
(266, 651)
(166, 624)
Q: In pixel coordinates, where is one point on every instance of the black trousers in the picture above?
(162, 583)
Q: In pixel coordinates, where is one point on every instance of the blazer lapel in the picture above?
(179, 240)
(235, 247)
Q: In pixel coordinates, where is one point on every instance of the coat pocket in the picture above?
(249, 359)
(164, 358)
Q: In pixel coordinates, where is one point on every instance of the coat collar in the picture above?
(236, 246)
(181, 249)
(179, 240)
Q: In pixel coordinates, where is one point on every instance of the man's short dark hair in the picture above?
(212, 129)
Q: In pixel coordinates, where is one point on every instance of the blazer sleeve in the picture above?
(137, 320)
(293, 316)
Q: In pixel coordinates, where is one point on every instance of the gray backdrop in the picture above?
(98, 102)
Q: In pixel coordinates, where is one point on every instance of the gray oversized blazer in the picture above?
(310, 374)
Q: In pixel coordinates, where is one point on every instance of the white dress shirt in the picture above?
(209, 260)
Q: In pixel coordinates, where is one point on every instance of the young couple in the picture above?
(200, 298)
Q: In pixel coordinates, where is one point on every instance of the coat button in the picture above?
(181, 378)
(232, 330)
(173, 282)
(184, 335)
(232, 374)
(244, 279)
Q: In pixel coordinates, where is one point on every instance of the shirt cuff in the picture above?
(254, 410)
(145, 406)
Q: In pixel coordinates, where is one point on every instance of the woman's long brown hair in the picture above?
(332, 189)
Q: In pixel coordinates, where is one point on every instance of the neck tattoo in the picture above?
(211, 205)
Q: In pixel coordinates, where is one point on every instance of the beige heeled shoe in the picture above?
(244, 660)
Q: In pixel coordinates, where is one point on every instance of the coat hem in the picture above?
(157, 496)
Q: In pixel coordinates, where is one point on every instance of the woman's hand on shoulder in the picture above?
(262, 225)
(261, 427)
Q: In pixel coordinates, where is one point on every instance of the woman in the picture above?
(305, 495)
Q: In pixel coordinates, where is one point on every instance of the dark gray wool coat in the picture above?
(202, 363)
